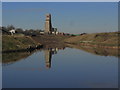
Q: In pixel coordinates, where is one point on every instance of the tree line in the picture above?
(5, 30)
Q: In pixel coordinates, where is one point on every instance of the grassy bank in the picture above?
(17, 42)
(104, 39)
(22, 42)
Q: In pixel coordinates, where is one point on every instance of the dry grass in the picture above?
(16, 42)
(110, 39)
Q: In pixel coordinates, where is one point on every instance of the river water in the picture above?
(60, 68)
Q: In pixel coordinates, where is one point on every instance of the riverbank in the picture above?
(18, 43)
(50, 39)
(103, 40)
(22, 43)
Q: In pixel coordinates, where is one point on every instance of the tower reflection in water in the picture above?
(48, 55)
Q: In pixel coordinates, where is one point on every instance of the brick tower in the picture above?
(48, 24)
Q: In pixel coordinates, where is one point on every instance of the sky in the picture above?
(69, 17)
(0, 14)
(60, 0)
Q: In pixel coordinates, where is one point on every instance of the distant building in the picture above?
(41, 32)
(12, 31)
(48, 26)
(54, 31)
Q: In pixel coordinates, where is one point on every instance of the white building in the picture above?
(12, 31)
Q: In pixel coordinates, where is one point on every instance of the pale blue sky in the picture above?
(68, 17)
(0, 14)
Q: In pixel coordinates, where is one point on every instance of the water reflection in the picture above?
(97, 50)
(12, 57)
(48, 55)
(50, 50)
(72, 68)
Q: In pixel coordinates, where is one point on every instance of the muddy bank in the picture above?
(31, 48)
(94, 45)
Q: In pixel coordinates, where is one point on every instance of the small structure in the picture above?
(41, 32)
(54, 31)
(12, 31)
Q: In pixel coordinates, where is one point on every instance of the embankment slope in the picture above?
(17, 42)
(105, 39)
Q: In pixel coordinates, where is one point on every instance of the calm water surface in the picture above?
(61, 68)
